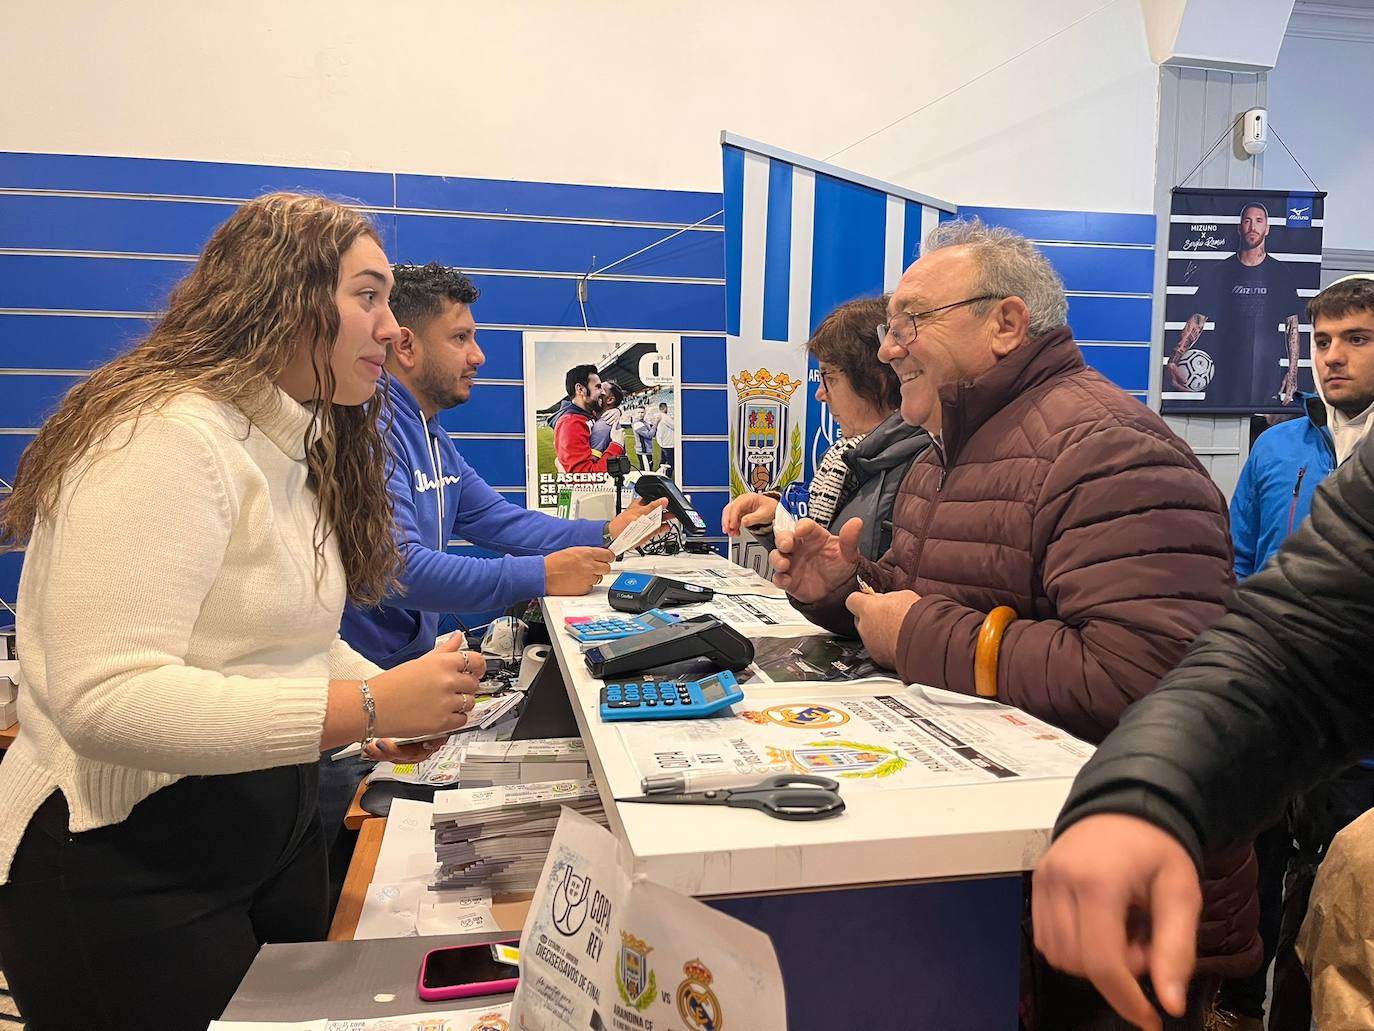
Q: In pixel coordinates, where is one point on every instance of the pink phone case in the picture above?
(465, 991)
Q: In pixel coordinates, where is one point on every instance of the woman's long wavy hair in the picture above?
(264, 285)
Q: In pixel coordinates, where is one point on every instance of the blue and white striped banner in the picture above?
(801, 238)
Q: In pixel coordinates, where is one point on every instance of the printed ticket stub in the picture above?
(637, 532)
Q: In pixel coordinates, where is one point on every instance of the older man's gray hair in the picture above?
(1009, 265)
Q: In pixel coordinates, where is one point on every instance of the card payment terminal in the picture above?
(641, 592)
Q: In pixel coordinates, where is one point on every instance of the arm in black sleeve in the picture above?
(1274, 698)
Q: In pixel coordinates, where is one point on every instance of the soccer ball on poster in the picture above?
(1197, 367)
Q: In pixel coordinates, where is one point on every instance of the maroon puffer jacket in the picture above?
(1062, 496)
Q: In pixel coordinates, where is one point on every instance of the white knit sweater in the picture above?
(170, 622)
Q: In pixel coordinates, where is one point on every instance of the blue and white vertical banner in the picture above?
(801, 238)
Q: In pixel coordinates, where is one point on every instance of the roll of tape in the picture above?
(532, 660)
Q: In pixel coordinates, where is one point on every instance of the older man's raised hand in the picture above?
(810, 562)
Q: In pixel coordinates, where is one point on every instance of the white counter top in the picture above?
(882, 837)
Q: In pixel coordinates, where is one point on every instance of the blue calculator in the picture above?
(670, 700)
(613, 628)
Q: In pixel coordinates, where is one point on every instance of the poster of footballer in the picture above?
(593, 396)
(1242, 266)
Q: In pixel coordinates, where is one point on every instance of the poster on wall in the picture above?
(590, 396)
(1242, 266)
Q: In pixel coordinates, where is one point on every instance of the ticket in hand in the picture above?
(783, 520)
(638, 532)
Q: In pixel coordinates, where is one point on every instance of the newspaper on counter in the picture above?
(498, 837)
(901, 737)
(600, 950)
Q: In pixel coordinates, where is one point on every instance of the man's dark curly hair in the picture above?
(421, 290)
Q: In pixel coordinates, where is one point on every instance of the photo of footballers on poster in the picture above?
(1242, 266)
(590, 397)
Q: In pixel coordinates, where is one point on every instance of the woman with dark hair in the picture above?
(860, 474)
(193, 516)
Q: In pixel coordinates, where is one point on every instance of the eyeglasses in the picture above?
(825, 377)
(901, 339)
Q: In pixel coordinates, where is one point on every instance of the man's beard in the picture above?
(442, 394)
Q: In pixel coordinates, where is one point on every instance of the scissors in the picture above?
(783, 797)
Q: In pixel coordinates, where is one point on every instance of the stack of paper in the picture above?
(488, 764)
(9, 692)
(498, 837)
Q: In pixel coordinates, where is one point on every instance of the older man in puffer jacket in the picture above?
(1049, 490)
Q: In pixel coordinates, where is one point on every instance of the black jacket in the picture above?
(1276, 697)
(877, 466)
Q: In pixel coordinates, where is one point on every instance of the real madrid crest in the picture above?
(802, 717)
(696, 1003)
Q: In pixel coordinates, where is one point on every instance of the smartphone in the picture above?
(462, 971)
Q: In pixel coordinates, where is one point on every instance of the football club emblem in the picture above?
(765, 447)
(801, 717)
(848, 759)
(696, 1003)
(637, 983)
(491, 1022)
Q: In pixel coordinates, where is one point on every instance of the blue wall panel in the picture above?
(479, 243)
(490, 408)
(87, 284)
(65, 341)
(500, 461)
(1117, 270)
(1110, 318)
(25, 401)
(107, 224)
(703, 360)
(526, 301)
(10, 564)
(705, 463)
(12, 445)
(186, 178)
(1127, 367)
(504, 350)
(1077, 226)
(554, 200)
(704, 412)
(709, 505)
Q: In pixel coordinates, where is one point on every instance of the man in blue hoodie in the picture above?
(1272, 498)
(437, 496)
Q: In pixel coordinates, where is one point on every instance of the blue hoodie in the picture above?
(434, 582)
(1274, 494)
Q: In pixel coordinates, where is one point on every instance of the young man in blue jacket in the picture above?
(437, 496)
(1272, 498)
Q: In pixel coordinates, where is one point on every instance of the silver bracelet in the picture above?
(370, 710)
